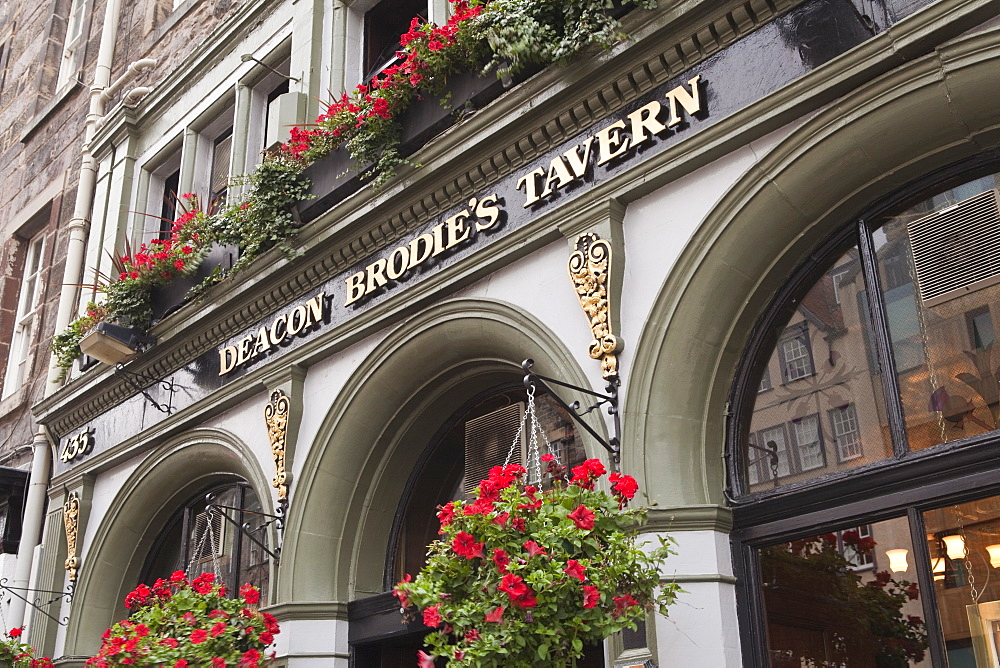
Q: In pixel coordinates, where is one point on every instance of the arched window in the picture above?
(197, 541)
(863, 468)
(479, 436)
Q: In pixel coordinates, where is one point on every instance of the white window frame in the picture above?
(208, 135)
(74, 43)
(846, 432)
(25, 316)
(795, 348)
(811, 454)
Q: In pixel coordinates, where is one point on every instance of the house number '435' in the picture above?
(77, 446)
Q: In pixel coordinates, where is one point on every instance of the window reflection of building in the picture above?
(901, 332)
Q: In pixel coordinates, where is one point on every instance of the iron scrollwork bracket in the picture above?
(141, 383)
(38, 604)
(246, 529)
(612, 445)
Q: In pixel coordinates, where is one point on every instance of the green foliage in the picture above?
(180, 623)
(523, 577)
(262, 218)
(66, 344)
(523, 32)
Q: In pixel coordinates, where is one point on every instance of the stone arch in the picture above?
(354, 476)
(167, 478)
(909, 123)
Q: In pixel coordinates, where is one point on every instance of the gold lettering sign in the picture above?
(299, 319)
(613, 141)
(481, 214)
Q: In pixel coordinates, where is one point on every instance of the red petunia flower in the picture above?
(591, 597)
(583, 517)
(574, 569)
(496, 615)
(198, 636)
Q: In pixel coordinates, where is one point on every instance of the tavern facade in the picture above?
(800, 205)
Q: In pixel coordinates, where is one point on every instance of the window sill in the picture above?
(42, 116)
(13, 402)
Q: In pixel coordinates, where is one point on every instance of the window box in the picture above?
(165, 299)
(334, 178)
(112, 344)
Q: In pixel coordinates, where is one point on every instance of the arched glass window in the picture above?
(196, 541)
(864, 478)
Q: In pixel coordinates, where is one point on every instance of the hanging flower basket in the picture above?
(523, 576)
(186, 624)
(17, 654)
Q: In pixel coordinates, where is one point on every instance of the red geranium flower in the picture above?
(465, 545)
(432, 617)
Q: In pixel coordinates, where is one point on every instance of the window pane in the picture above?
(940, 274)
(964, 546)
(824, 410)
(836, 599)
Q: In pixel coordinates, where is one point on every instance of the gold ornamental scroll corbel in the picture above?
(590, 271)
(276, 416)
(71, 520)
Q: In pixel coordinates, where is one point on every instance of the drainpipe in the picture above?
(34, 511)
(79, 226)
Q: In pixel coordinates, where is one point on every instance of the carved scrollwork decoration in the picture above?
(276, 416)
(71, 519)
(590, 271)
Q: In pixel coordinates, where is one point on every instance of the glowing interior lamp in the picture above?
(897, 560)
(994, 551)
(938, 567)
(955, 546)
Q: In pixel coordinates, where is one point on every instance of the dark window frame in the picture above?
(906, 484)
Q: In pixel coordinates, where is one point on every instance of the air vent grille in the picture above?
(488, 440)
(957, 251)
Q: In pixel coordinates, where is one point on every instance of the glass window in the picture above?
(844, 421)
(940, 271)
(808, 442)
(25, 317)
(832, 569)
(844, 598)
(74, 44)
(384, 24)
(796, 358)
(196, 541)
(839, 399)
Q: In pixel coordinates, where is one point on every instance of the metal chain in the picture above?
(976, 594)
(207, 533)
(534, 463)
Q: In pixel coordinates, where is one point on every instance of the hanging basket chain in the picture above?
(208, 533)
(534, 426)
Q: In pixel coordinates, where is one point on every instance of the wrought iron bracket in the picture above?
(37, 604)
(612, 445)
(770, 453)
(277, 520)
(141, 382)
